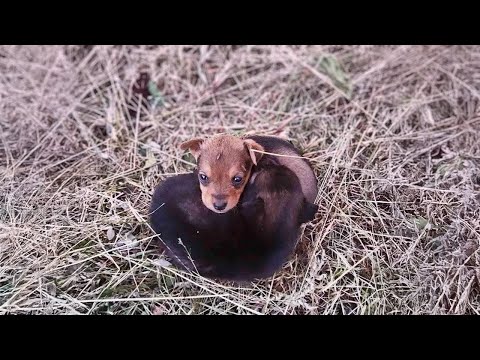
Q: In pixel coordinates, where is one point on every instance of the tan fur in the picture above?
(252, 145)
(193, 146)
(220, 158)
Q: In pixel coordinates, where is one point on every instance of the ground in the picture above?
(392, 132)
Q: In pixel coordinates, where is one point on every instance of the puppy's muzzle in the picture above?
(219, 202)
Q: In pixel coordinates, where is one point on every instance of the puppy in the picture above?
(226, 163)
(250, 242)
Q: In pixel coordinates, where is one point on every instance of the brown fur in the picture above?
(221, 158)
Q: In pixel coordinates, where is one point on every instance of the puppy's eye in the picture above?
(203, 178)
(237, 180)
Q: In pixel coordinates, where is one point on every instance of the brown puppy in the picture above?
(225, 164)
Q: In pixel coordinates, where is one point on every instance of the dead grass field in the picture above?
(393, 133)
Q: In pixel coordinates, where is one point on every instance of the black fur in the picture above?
(308, 213)
(301, 167)
(279, 209)
(236, 245)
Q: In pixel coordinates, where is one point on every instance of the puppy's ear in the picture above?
(308, 212)
(193, 146)
(251, 146)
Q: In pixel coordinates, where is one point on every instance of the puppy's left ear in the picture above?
(251, 146)
(193, 146)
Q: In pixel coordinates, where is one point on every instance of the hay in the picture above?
(393, 133)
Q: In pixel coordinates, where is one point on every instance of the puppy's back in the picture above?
(300, 167)
(285, 204)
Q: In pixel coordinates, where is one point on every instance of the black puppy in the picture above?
(251, 241)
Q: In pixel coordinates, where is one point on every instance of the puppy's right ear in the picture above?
(193, 146)
(252, 146)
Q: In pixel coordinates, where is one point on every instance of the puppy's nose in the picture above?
(220, 205)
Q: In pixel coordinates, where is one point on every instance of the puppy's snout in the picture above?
(219, 202)
(220, 205)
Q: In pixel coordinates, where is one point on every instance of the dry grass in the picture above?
(398, 167)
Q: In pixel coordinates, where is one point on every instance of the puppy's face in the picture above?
(224, 166)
